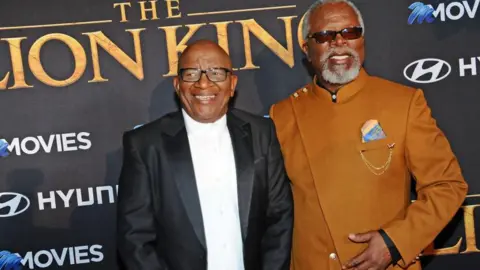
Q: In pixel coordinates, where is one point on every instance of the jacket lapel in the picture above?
(240, 134)
(178, 150)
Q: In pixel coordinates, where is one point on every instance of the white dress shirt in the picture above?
(215, 174)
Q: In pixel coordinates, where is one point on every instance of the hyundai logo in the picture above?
(428, 70)
(12, 204)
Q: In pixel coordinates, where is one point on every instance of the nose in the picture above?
(339, 41)
(203, 82)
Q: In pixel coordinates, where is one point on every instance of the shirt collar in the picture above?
(195, 127)
(345, 93)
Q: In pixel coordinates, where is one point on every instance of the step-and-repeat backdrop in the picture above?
(75, 75)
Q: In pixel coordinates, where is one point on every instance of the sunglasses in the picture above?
(349, 33)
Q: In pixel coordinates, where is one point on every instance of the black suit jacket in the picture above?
(159, 221)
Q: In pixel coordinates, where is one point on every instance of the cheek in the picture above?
(225, 96)
(358, 46)
(317, 51)
(225, 88)
(185, 94)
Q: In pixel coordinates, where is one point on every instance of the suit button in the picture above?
(333, 256)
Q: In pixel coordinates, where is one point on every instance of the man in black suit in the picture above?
(205, 187)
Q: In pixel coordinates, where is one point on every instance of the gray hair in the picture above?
(318, 3)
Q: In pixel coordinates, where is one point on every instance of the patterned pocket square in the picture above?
(372, 131)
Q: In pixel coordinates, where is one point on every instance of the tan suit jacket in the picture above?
(336, 193)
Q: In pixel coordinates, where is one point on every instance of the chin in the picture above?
(206, 116)
(340, 75)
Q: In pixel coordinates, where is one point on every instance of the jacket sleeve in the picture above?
(136, 232)
(440, 186)
(277, 239)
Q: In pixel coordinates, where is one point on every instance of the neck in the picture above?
(207, 121)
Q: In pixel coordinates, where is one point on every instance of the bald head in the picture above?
(203, 49)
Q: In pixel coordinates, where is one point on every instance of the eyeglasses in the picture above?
(329, 35)
(213, 74)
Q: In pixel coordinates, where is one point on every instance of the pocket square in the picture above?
(372, 131)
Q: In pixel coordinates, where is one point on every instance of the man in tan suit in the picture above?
(351, 143)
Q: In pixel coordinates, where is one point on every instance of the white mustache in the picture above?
(346, 50)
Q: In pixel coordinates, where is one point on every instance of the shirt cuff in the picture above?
(394, 253)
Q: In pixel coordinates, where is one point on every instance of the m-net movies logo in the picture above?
(12, 204)
(444, 11)
(4, 148)
(31, 145)
(62, 257)
(430, 70)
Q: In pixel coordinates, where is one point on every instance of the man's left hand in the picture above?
(375, 257)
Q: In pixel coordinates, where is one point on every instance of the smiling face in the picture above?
(205, 100)
(338, 61)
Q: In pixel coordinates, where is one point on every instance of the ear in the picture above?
(176, 84)
(233, 84)
(305, 51)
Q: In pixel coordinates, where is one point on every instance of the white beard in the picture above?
(340, 74)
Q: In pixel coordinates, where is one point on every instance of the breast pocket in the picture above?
(377, 155)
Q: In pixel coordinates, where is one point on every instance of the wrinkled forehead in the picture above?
(335, 16)
(204, 57)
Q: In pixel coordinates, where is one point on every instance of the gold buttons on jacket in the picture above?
(333, 256)
(298, 92)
